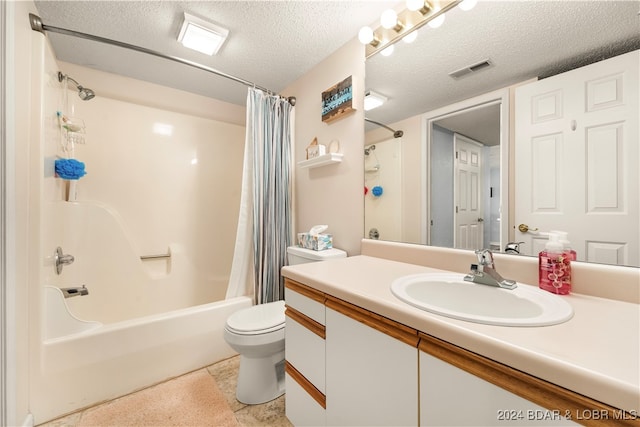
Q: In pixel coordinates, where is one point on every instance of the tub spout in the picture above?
(75, 292)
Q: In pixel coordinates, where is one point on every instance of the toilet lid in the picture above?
(260, 318)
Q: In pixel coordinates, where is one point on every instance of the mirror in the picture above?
(521, 41)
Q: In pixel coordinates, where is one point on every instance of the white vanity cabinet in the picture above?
(449, 396)
(305, 355)
(346, 366)
(461, 388)
(372, 362)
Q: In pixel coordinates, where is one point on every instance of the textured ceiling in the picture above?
(273, 43)
(523, 40)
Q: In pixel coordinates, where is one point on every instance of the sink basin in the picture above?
(450, 295)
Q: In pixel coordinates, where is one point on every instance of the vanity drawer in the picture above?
(304, 408)
(305, 348)
(305, 300)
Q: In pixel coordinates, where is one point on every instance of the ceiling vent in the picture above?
(471, 69)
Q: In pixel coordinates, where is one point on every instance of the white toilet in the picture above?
(257, 333)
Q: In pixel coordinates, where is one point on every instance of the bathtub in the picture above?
(100, 362)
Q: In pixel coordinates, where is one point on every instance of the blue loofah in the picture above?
(377, 191)
(70, 169)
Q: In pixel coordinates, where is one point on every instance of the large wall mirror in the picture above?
(455, 94)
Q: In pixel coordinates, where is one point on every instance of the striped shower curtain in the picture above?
(265, 223)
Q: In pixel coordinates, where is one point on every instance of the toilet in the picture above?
(257, 334)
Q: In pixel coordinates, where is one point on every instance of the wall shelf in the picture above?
(325, 159)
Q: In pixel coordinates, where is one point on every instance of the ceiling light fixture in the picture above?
(396, 25)
(200, 35)
(373, 100)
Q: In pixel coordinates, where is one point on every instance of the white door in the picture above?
(577, 160)
(468, 226)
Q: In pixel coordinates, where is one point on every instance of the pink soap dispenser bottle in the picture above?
(554, 267)
(563, 237)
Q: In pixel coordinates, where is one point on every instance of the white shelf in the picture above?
(325, 159)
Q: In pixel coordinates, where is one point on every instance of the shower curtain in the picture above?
(265, 222)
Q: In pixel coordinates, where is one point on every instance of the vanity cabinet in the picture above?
(459, 387)
(371, 369)
(305, 355)
(346, 365)
(451, 396)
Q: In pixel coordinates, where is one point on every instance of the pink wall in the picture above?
(332, 194)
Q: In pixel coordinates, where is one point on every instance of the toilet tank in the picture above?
(298, 255)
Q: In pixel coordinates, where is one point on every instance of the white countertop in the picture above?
(596, 353)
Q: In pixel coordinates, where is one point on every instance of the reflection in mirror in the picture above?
(423, 100)
(465, 177)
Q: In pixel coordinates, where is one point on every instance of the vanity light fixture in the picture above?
(389, 19)
(396, 25)
(437, 21)
(411, 37)
(421, 6)
(200, 35)
(367, 36)
(467, 5)
(387, 51)
(373, 100)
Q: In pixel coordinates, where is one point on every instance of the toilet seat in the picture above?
(258, 319)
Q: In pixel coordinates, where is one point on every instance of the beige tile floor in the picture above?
(225, 374)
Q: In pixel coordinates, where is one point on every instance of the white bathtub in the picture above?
(106, 361)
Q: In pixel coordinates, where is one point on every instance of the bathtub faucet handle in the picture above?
(61, 259)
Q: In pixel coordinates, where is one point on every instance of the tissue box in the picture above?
(317, 242)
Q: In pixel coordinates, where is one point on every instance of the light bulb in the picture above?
(389, 18)
(467, 4)
(421, 6)
(365, 35)
(435, 23)
(387, 51)
(411, 37)
(414, 5)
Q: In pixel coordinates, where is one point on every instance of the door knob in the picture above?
(61, 259)
(525, 228)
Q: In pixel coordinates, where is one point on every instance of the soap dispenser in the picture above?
(554, 267)
(563, 237)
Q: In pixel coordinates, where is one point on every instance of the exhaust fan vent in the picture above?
(471, 69)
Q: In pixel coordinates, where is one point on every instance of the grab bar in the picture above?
(157, 256)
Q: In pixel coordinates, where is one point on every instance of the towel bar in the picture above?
(157, 256)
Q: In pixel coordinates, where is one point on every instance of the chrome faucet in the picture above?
(484, 272)
(513, 248)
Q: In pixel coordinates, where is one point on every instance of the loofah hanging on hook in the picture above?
(69, 169)
(377, 191)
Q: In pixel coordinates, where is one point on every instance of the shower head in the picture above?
(83, 92)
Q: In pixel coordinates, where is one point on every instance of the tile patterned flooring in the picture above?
(225, 374)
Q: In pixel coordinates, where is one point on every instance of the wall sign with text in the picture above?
(337, 101)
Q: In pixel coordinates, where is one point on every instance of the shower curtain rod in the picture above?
(396, 133)
(38, 25)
